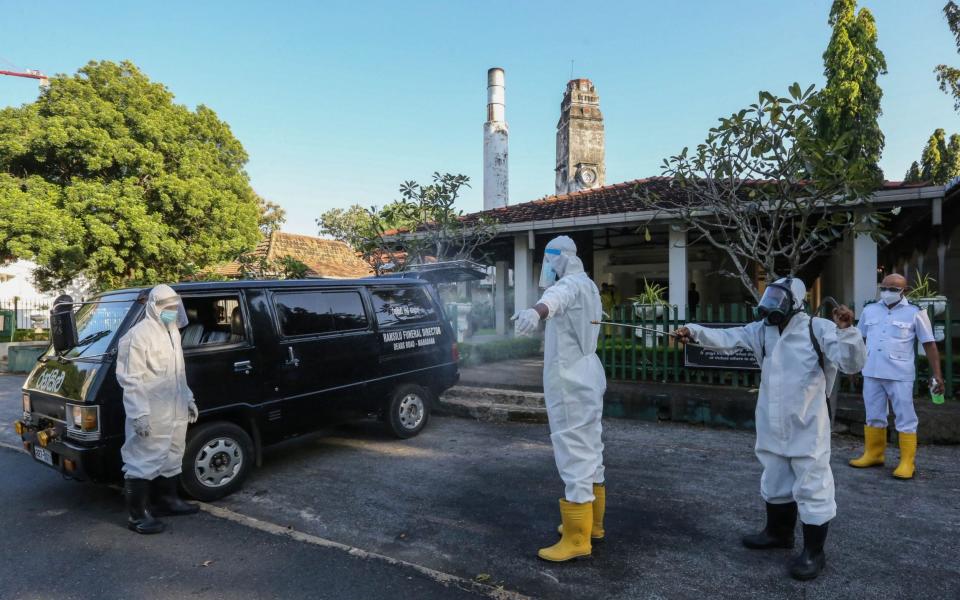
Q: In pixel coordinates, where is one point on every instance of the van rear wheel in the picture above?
(217, 460)
(408, 410)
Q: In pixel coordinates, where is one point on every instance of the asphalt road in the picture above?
(476, 501)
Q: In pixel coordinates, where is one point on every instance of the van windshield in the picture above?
(99, 322)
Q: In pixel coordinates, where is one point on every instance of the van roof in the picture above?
(200, 286)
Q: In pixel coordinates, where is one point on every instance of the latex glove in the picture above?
(843, 317)
(936, 384)
(141, 425)
(526, 322)
(192, 412)
(684, 335)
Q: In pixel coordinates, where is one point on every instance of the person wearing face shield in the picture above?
(892, 327)
(799, 359)
(573, 385)
(158, 405)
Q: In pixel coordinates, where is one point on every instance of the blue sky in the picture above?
(339, 102)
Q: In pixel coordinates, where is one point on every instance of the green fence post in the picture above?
(633, 345)
(603, 346)
(643, 346)
(948, 351)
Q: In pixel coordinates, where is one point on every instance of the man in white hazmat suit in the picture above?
(158, 405)
(799, 357)
(573, 384)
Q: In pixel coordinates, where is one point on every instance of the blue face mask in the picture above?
(168, 316)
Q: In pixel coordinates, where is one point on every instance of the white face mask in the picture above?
(890, 298)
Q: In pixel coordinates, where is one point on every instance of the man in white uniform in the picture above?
(573, 385)
(892, 328)
(158, 405)
(799, 359)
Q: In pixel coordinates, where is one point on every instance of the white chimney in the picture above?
(495, 186)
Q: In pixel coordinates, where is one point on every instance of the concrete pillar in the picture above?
(523, 291)
(500, 297)
(864, 270)
(677, 267)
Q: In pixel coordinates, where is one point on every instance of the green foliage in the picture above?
(849, 105)
(940, 161)
(256, 266)
(766, 189)
(363, 228)
(424, 224)
(949, 77)
(29, 335)
(913, 173)
(105, 176)
(497, 350)
(272, 216)
(923, 286)
(652, 293)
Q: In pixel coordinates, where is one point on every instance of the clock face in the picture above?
(588, 176)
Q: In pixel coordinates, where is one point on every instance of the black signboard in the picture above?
(703, 358)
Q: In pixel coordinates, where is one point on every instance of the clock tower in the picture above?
(580, 152)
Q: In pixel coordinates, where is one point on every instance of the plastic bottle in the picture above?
(935, 398)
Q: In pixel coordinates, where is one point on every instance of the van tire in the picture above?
(408, 410)
(211, 448)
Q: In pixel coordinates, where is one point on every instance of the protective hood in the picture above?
(781, 299)
(162, 297)
(559, 259)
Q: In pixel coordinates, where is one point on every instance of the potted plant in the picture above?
(649, 304)
(924, 293)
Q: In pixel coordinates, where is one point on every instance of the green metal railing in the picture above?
(643, 356)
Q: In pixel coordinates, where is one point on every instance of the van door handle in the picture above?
(242, 366)
(292, 360)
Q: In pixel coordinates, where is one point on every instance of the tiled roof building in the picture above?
(324, 258)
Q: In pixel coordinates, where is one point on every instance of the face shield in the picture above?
(164, 305)
(776, 305)
(548, 275)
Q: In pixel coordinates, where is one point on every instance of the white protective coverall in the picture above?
(573, 378)
(792, 420)
(150, 370)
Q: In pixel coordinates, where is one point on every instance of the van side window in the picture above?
(311, 313)
(214, 320)
(402, 306)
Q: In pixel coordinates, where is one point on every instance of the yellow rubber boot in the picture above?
(875, 442)
(599, 507)
(577, 523)
(908, 456)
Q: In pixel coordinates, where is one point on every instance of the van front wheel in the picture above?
(217, 459)
(408, 411)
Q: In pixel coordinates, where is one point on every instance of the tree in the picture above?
(256, 266)
(913, 173)
(438, 229)
(272, 216)
(940, 161)
(105, 176)
(766, 190)
(850, 100)
(949, 77)
(422, 225)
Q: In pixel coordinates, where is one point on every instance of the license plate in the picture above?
(43, 455)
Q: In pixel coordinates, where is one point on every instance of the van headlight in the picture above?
(83, 422)
(26, 402)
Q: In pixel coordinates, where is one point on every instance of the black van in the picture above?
(266, 360)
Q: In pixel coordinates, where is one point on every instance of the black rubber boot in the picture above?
(137, 493)
(781, 521)
(808, 564)
(166, 502)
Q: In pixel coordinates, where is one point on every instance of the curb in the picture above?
(491, 405)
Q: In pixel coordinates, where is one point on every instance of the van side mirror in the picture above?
(63, 324)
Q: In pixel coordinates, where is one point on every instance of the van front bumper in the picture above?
(81, 462)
